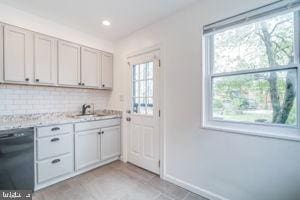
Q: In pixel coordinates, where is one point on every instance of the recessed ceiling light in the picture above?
(106, 23)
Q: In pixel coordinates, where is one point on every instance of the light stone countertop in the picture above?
(46, 119)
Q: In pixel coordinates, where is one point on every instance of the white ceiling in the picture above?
(126, 16)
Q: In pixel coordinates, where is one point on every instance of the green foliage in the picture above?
(248, 97)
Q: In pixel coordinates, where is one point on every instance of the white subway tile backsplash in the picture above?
(18, 99)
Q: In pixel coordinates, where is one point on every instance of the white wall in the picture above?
(25, 20)
(17, 99)
(215, 164)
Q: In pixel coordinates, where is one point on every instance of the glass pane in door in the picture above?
(142, 88)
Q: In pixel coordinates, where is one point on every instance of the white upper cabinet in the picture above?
(45, 59)
(68, 64)
(107, 71)
(27, 57)
(90, 67)
(110, 142)
(18, 55)
(1, 53)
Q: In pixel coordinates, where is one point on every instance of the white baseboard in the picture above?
(193, 188)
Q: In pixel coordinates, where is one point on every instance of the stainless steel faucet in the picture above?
(84, 108)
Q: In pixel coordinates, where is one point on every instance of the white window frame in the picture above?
(257, 129)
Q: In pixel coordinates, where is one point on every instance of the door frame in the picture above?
(162, 144)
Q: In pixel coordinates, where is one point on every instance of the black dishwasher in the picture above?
(17, 159)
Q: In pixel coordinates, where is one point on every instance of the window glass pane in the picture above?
(143, 88)
(143, 71)
(135, 88)
(262, 44)
(150, 106)
(150, 70)
(143, 102)
(268, 97)
(135, 105)
(150, 88)
(135, 72)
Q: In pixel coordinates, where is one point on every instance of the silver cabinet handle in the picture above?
(54, 139)
(55, 129)
(55, 161)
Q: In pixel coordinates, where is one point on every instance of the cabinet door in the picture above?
(89, 67)
(110, 142)
(107, 71)
(45, 59)
(18, 55)
(68, 63)
(1, 53)
(87, 148)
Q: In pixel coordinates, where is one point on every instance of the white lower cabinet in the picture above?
(54, 152)
(52, 146)
(62, 152)
(87, 148)
(110, 142)
(55, 167)
(96, 145)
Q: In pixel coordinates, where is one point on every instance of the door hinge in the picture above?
(159, 63)
(159, 112)
(159, 163)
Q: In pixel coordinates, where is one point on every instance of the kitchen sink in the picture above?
(100, 115)
(88, 115)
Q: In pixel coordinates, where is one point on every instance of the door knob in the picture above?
(128, 119)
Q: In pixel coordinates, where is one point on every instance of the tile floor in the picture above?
(116, 181)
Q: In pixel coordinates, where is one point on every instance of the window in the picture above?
(252, 70)
(142, 94)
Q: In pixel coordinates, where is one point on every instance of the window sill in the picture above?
(291, 136)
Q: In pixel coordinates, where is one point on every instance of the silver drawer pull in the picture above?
(55, 129)
(54, 139)
(55, 161)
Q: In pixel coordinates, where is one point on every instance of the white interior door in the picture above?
(143, 115)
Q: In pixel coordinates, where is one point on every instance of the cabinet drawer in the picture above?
(54, 146)
(96, 124)
(55, 167)
(54, 130)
